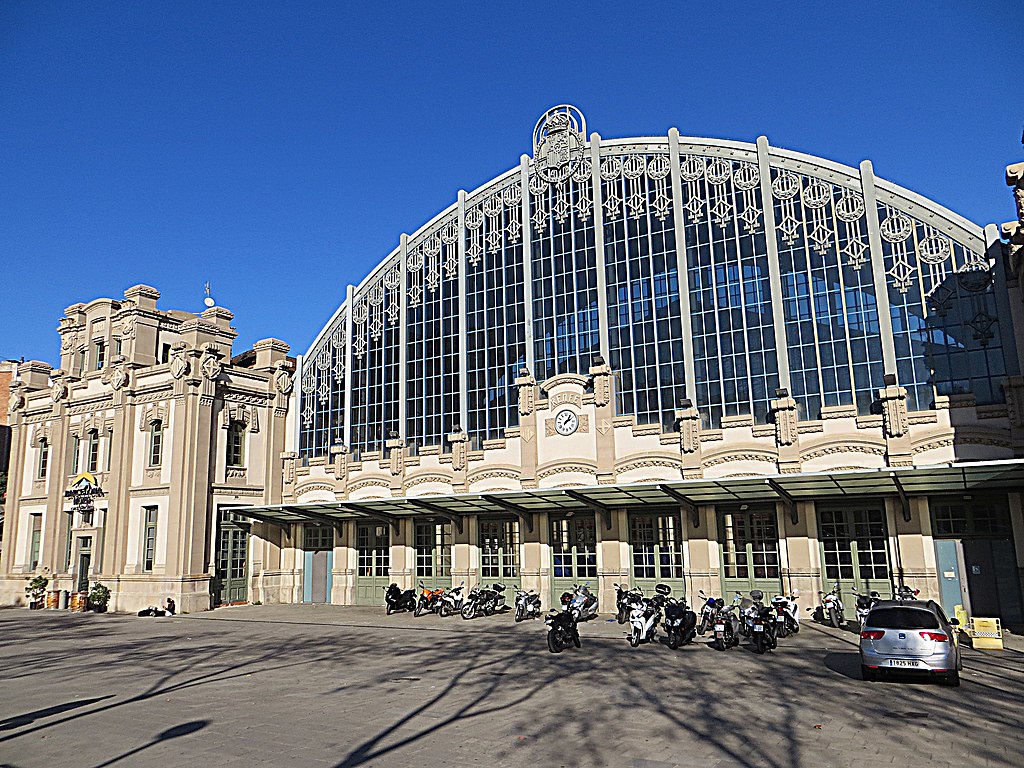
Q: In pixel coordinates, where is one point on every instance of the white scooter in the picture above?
(451, 601)
(787, 614)
(832, 607)
(527, 605)
(581, 601)
(646, 614)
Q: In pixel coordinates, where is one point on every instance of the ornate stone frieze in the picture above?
(526, 386)
(369, 482)
(244, 414)
(396, 456)
(629, 465)
(689, 424)
(412, 482)
(493, 474)
(460, 450)
(730, 457)
(150, 414)
(831, 450)
(310, 487)
(1013, 388)
(640, 430)
(601, 378)
(559, 469)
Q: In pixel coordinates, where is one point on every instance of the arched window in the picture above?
(94, 451)
(236, 444)
(44, 458)
(156, 443)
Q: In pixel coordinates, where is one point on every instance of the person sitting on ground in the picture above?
(170, 610)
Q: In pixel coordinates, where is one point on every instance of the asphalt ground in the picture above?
(344, 686)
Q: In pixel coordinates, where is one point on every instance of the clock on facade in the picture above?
(566, 422)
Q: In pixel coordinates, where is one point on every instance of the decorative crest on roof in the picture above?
(558, 142)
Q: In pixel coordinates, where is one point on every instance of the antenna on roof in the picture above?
(208, 301)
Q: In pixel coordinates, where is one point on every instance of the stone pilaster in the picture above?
(604, 412)
(526, 387)
(689, 425)
(787, 437)
(895, 423)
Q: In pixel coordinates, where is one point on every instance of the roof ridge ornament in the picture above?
(558, 140)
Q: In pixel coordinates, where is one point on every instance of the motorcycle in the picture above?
(581, 601)
(905, 593)
(451, 601)
(832, 607)
(429, 600)
(763, 628)
(787, 615)
(527, 605)
(481, 600)
(646, 615)
(707, 613)
(680, 622)
(864, 605)
(563, 631)
(726, 624)
(624, 600)
(396, 599)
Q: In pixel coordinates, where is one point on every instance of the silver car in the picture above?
(913, 637)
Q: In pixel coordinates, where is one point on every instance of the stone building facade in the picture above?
(130, 456)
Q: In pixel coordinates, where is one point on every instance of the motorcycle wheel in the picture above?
(488, 610)
(833, 618)
(719, 644)
(634, 637)
(673, 640)
(418, 610)
(702, 628)
(387, 609)
(469, 610)
(443, 610)
(622, 617)
(554, 644)
(576, 639)
(758, 643)
(519, 613)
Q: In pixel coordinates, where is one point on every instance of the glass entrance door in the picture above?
(373, 554)
(656, 554)
(318, 562)
(84, 563)
(750, 551)
(573, 553)
(499, 552)
(231, 582)
(854, 552)
(434, 554)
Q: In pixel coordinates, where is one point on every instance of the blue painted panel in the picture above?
(307, 577)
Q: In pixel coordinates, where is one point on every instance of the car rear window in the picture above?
(902, 618)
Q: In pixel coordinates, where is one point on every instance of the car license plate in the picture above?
(719, 627)
(759, 628)
(904, 663)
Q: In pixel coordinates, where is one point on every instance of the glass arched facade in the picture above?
(713, 271)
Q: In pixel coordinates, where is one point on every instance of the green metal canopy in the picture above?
(524, 504)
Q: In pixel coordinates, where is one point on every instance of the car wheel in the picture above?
(867, 674)
(952, 680)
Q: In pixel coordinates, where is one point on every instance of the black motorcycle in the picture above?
(680, 622)
(726, 624)
(563, 631)
(395, 599)
(761, 624)
(625, 599)
(483, 601)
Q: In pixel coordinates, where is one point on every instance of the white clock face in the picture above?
(566, 422)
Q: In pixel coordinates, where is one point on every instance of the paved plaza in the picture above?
(342, 686)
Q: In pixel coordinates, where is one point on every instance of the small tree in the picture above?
(99, 596)
(36, 589)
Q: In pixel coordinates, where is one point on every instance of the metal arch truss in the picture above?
(789, 197)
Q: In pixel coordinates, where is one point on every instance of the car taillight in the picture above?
(938, 637)
(872, 634)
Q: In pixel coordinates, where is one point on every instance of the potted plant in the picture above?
(99, 596)
(36, 591)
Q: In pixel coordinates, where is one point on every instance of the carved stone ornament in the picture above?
(1013, 388)
(1014, 230)
(340, 454)
(119, 377)
(785, 421)
(210, 365)
(601, 375)
(69, 342)
(17, 401)
(460, 450)
(179, 364)
(526, 385)
(283, 381)
(894, 410)
(689, 430)
(396, 457)
(58, 391)
(558, 140)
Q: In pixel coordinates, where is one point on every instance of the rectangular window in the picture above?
(156, 443)
(110, 447)
(149, 538)
(94, 451)
(118, 346)
(99, 355)
(37, 532)
(44, 459)
(76, 444)
(236, 445)
(165, 353)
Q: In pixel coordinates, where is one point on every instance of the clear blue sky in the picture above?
(278, 150)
